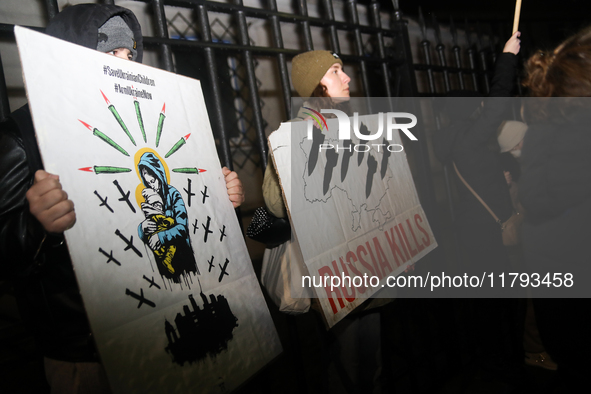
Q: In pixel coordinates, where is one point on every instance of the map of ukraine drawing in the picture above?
(336, 173)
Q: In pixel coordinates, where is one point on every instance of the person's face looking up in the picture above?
(152, 181)
(336, 82)
(123, 53)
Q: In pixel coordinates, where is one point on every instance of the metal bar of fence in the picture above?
(376, 21)
(483, 62)
(52, 8)
(217, 115)
(283, 75)
(456, 51)
(334, 38)
(4, 106)
(7, 30)
(457, 57)
(440, 48)
(252, 84)
(471, 58)
(162, 32)
(426, 45)
(491, 46)
(303, 8)
(213, 77)
(352, 6)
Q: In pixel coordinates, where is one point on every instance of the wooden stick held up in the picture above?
(516, 17)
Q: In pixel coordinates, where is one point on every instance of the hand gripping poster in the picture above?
(158, 253)
(353, 206)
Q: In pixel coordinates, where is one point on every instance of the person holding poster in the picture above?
(317, 75)
(354, 344)
(35, 211)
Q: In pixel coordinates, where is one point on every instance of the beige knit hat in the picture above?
(511, 132)
(308, 69)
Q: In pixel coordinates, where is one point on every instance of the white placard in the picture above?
(159, 256)
(354, 208)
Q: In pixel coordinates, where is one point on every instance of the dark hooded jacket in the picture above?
(39, 263)
(79, 24)
(466, 142)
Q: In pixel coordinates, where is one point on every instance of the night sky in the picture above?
(546, 23)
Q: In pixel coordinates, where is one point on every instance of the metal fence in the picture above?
(372, 59)
(220, 52)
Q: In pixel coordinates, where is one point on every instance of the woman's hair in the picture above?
(321, 99)
(320, 91)
(563, 72)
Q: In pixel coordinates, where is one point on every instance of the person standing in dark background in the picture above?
(35, 211)
(353, 358)
(555, 190)
(510, 139)
(466, 143)
(490, 324)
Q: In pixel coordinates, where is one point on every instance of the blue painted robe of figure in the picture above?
(175, 256)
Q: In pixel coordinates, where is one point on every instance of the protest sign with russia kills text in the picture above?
(352, 204)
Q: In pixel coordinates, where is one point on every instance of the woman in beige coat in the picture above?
(353, 344)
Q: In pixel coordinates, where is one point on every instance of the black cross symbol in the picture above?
(140, 297)
(207, 230)
(151, 281)
(110, 256)
(223, 233)
(128, 242)
(205, 195)
(223, 270)
(195, 228)
(210, 264)
(124, 196)
(188, 191)
(104, 202)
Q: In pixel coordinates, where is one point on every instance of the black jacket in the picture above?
(466, 142)
(556, 166)
(38, 263)
(555, 190)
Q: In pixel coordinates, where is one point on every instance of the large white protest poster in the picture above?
(163, 269)
(353, 206)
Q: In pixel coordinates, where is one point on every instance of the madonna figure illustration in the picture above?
(164, 229)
